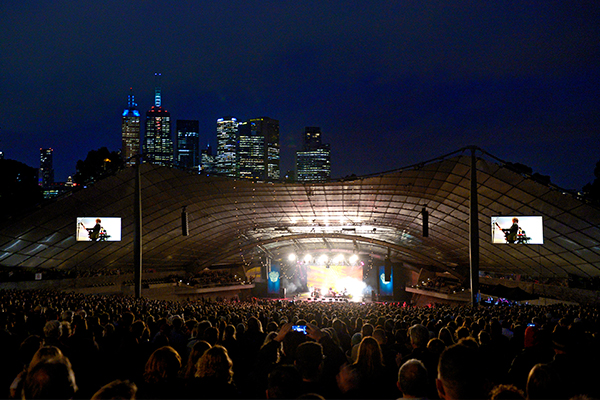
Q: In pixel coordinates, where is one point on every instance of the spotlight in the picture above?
(292, 257)
(307, 258)
(353, 258)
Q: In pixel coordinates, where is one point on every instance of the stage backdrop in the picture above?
(340, 278)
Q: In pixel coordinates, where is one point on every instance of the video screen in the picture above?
(517, 230)
(98, 229)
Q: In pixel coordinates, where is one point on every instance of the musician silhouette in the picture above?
(94, 232)
(511, 233)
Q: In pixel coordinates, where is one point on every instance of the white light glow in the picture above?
(292, 257)
(307, 257)
(323, 258)
(353, 258)
(339, 259)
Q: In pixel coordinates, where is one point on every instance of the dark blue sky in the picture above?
(390, 83)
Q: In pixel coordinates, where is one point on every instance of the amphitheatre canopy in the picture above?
(237, 222)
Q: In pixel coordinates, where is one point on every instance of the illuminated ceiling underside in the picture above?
(241, 222)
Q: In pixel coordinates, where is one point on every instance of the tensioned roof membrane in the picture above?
(238, 222)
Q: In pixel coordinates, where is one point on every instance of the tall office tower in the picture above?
(251, 145)
(226, 161)
(207, 161)
(187, 150)
(158, 144)
(258, 149)
(313, 162)
(130, 131)
(46, 172)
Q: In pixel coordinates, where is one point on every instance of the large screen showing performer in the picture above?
(517, 230)
(98, 229)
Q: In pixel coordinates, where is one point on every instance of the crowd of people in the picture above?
(66, 345)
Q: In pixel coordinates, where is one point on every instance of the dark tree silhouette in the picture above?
(592, 190)
(19, 189)
(97, 165)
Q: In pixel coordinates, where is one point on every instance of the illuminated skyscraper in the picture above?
(207, 161)
(313, 162)
(46, 172)
(158, 143)
(258, 149)
(187, 150)
(130, 131)
(226, 161)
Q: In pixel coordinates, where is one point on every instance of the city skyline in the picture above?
(391, 84)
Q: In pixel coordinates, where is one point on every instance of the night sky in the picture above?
(390, 83)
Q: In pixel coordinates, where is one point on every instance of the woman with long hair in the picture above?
(161, 375)
(366, 377)
(214, 376)
(200, 347)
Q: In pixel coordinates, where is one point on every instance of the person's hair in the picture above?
(284, 382)
(515, 219)
(460, 372)
(215, 364)
(230, 332)
(44, 353)
(52, 329)
(28, 348)
(506, 392)
(543, 382)
(412, 378)
(50, 379)
(419, 335)
(163, 364)
(290, 343)
(436, 346)
(117, 389)
(137, 328)
(254, 325)
(380, 336)
(369, 359)
(462, 333)
(367, 329)
(309, 357)
(198, 350)
(211, 335)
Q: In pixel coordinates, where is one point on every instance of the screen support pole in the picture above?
(474, 231)
(137, 237)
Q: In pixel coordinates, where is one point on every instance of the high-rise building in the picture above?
(313, 162)
(258, 149)
(251, 152)
(130, 131)
(46, 171)
(226, 160)
(207, 161)
(187, 149)
(158, 143)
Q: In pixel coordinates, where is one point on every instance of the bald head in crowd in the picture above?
(412, 379)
